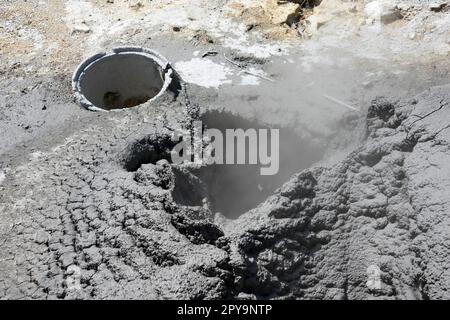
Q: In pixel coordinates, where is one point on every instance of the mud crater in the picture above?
(229, 189)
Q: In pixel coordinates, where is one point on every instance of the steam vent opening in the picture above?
(125, 78)
(235, 189)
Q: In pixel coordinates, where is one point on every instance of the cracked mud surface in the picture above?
(384, 204)
(90, 207)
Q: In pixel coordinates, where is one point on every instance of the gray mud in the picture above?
(91, 208)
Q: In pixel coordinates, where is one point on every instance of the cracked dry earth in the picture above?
(90, 208)
(84, 214)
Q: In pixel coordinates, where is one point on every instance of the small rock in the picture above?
(280, 13)
(380, 11)
(437, 6)
(82, 27)
(136, 4)
(404, 6)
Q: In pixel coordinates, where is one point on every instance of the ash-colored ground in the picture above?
(87, 210)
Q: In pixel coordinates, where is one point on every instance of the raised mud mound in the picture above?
(372, 226)
(95, 225)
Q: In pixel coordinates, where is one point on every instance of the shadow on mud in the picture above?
(234, 189)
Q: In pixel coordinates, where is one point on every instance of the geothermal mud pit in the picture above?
(228, 189)
(92, 208)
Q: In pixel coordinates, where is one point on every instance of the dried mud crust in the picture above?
(84, 217)
(76, 215)
(383, 206)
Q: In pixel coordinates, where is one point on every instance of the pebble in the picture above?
(437, 6)
(82, 27)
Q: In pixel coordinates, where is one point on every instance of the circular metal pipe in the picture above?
(123, 78)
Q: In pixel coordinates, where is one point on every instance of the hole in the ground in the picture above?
(149, 149)
(231, 189)
(125, 78)
(234, 189)
(189, 190)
